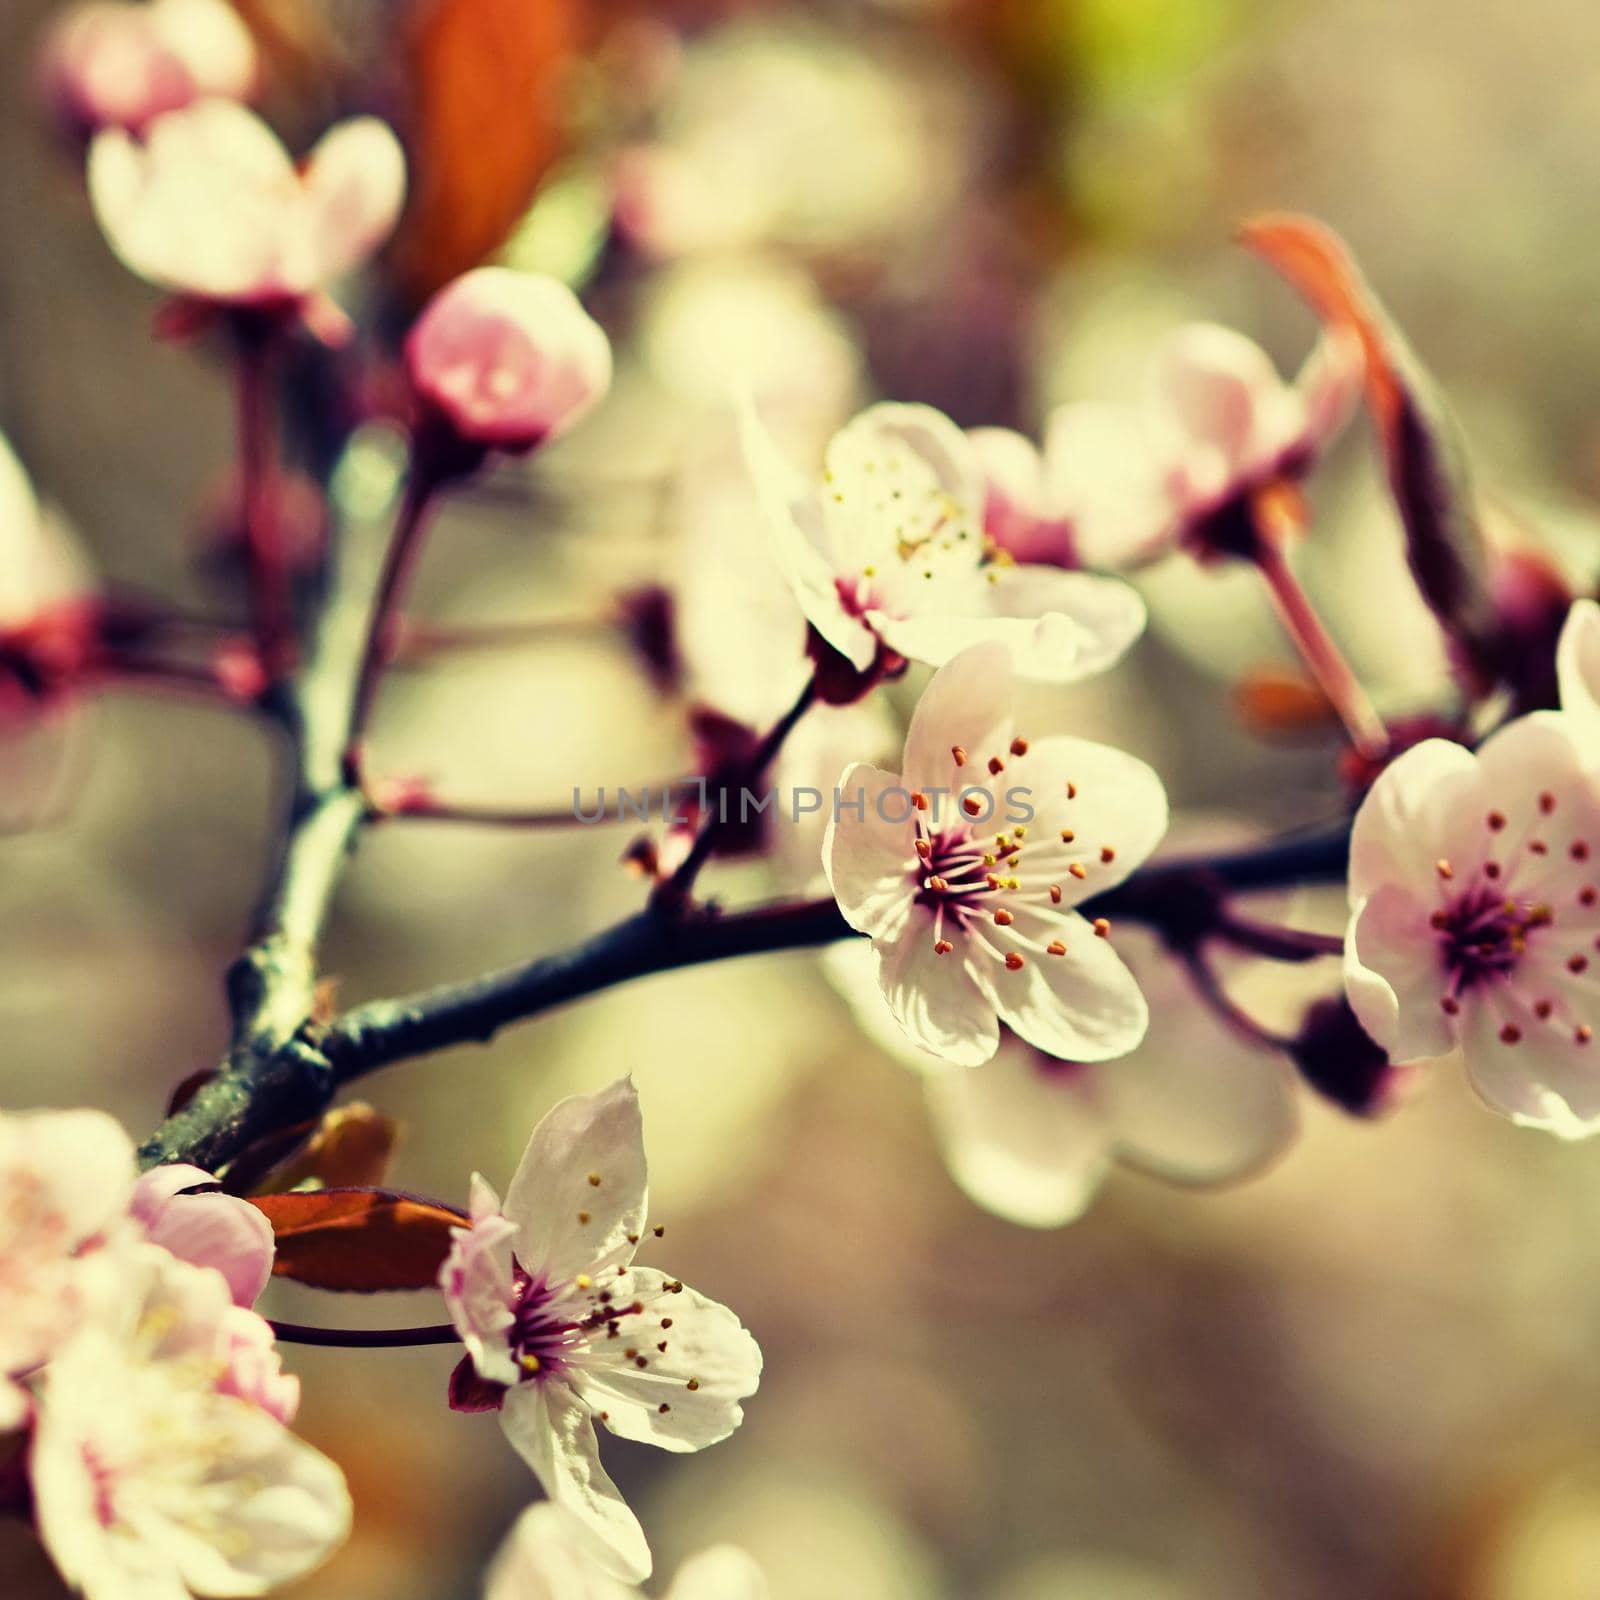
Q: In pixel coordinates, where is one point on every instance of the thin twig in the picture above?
(399, 563)
(384, 1031)
(271, 608)
(1321, 654)
(366, 1338)
(675, 892)
(414, 642)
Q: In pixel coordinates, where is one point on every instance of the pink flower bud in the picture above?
(208, 1229)
(119, 64)
(506, 360)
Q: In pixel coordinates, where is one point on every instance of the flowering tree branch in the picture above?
(270, 1079)
(288, 1069)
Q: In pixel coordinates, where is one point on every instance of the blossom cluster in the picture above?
(149, 1396)
(151, 1412)
(977, 887)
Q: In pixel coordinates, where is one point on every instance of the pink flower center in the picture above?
(1483, 935)
(966, 870)
(540, 1336)
(550, 1330)
(1497, 939)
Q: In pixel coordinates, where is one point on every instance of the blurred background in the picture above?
(1368, 1371)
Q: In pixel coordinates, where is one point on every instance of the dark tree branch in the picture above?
(283, 1069)
(271, 1079)
(1181, 900)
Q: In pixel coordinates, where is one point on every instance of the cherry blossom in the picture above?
(889, 560)
(66, 1179)
(151, 1474)
(207, 1229)
(562, 1329)
(207, 204)
(507, 359)
(1031, 1138)
(121, 63)
(1475, 917)
(970, 907)
(1116, 486)
(545, 1557)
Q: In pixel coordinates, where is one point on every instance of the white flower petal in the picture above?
(724, 1572)
(479, 1286)
(1102, 474)
(1025, 1138)
(1406, 823)
(355, 184)
(1084, 1005)
(852, 968)
(1055, 647)
(868, 853)
(1544, 1080)
(680, 1338)
(570, 1223)
(795, 523)
(1578, 668)
(82, 1167)
(1200, 1115)
(206, 206)
(1113, 804)
(934, 998)
(550, 1428)
(1215, 392)
(1393, 978)
(1104, 616)
(545, 1557)
(859, 451)
(966, 703)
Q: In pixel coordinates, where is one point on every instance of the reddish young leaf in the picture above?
(1422, 443)
(351, 1148)
(360, 1240)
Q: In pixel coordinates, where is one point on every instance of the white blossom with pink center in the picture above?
(1475, 918)
(545, 1294)
(120, 63)
(546, 1557)
(208, 204)
(153, 1476)
(66, 1179)
(1032, 1138)
(890, 552)
(509, 359)
(971, 911)
(1116, 486)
